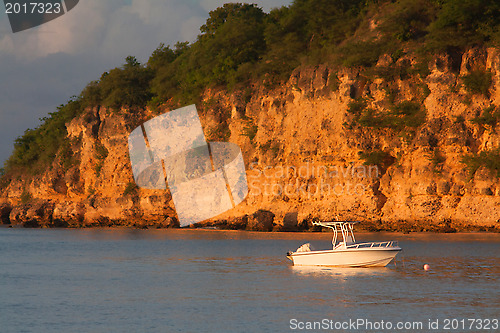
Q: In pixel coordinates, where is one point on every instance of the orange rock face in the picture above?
(302, 154)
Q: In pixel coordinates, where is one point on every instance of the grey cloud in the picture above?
(43, 67)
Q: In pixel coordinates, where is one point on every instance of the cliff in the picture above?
(384, 146)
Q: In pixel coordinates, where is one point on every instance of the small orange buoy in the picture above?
(427, 267)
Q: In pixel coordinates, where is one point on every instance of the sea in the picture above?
(129, 280)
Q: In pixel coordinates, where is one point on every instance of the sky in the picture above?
(43, 67)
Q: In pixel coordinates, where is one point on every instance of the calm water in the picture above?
(213, 281)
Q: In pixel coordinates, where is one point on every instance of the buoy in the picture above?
(427, 267)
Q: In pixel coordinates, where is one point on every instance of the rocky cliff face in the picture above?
(301, 146)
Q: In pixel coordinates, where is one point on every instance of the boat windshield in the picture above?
(344, 227)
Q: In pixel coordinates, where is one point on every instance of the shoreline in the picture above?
(476, 230)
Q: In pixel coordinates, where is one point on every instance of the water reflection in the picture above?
(340, 272)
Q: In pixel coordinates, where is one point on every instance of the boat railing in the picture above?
(373, 244)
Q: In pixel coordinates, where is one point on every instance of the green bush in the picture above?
(490, 116)
(370, 118)
(126, 86)
(421, 67)
(308, 31)
(91, 95)
(4, 180)
(426, 91)
(463, 23)
(437, 159)
(490, 159)
(250, 130)
(409, 19)
(26, 197)
(233, 36)
(357, 106)
(98, 168)
(362, 53)
(394, 71)
(67, 156)
(38, 147)
(131, 189)
(163, 55)
(478, 82)
(407, 114)
(101, 152)
(377, 157)
(265, 146)
(221, 132)
(275, 149)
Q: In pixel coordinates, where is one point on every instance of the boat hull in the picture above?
(369, 257)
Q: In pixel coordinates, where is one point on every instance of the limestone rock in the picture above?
(302, 156)
(261, 220)
(5, 209)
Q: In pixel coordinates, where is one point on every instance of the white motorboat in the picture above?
(347, 252)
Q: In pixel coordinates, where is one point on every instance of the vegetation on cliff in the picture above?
(240, 44)
(38, 147)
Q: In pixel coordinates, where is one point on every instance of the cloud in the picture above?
(114, 27)
(71, 33)
(42, 67)
(110, 28)
(29, 90)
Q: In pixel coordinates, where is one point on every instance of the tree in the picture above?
(91, 95)
(126, 86)
(219, 16)
(232, 37)
(161, 56)
(409, 19)
(461, 23)
(131, 62)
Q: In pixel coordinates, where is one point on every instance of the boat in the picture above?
(348, 252)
